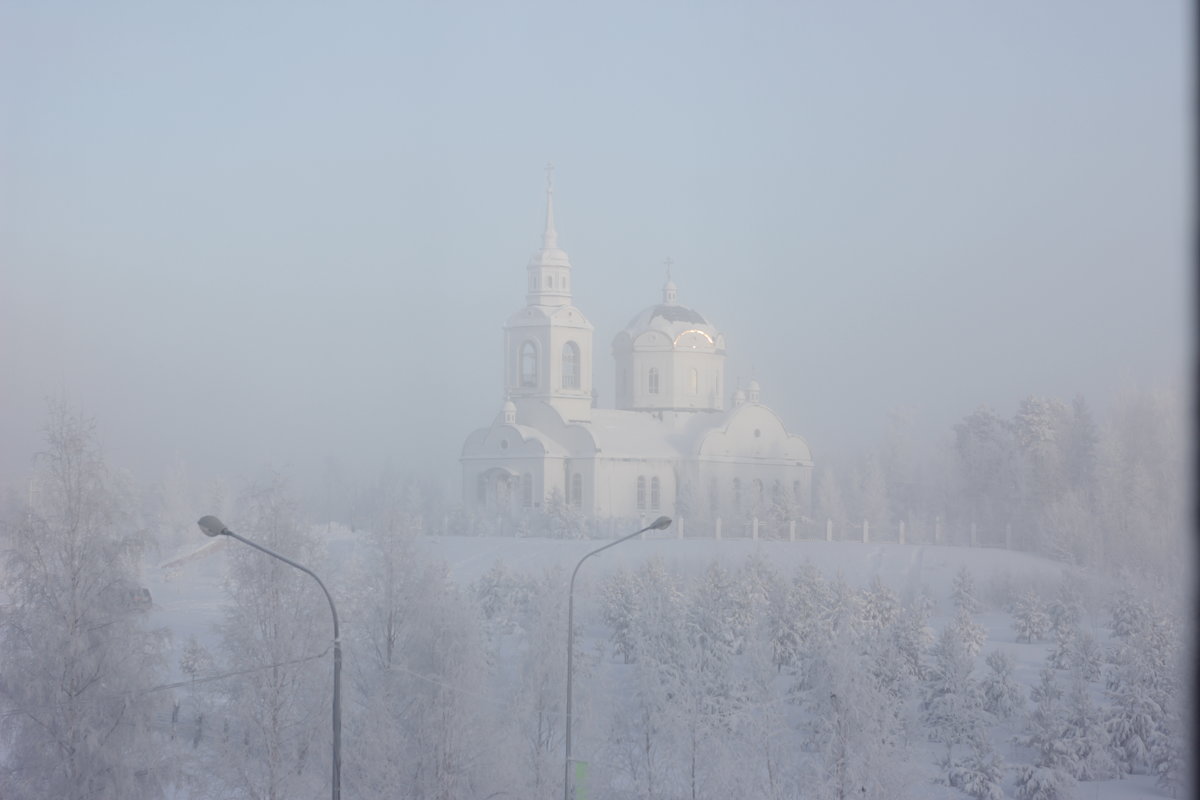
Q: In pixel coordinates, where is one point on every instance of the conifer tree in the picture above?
(963, 592)
(1002, 696)
(1029, 617)
(952, 706)
(1050, 776)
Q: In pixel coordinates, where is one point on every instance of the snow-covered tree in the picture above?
(1135, 712)
(1086, 733)
(1036, 782)
(504, 597)
(1143, 679)
(561, 520)
(1050, 776)
(1065, 613)
(76, 654)
(1002, 696)
(1029, 617)
(619, 604)
(1169, 757)
(952, 705)
(970, 632)
(981, 773)
(963, 592)
(416, 668)
(913, 636)
(828, 503)
(539, 704)
(989, 467)
(854, 736)
(1085, 655)
(276, 635)
(644, 733)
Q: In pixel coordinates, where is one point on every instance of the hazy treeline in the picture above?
(1108, 493)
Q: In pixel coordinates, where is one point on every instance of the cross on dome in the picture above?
(669, 292)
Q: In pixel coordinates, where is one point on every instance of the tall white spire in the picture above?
(549, 278)
(550, 237)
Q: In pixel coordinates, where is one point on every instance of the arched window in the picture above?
(570, 366)
(527, 490)
(641, 492)
(693, 381)
(655, 493)
(577, 490)
(758, 491)
(529, 376)
(653, 381)
(737, 494)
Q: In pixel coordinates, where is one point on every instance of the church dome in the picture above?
(667, 317)
(670, 318)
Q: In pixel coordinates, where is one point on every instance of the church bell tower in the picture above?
(548, 343)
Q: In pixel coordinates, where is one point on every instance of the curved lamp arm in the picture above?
(214, 527)
(658, 525)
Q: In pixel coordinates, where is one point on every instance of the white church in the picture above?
(672, 445)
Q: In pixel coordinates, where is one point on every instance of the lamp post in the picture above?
(658, 525)
(214, 527)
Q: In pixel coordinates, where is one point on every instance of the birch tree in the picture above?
(76, 655)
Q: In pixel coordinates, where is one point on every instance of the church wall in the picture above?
(709, 371)
(717, 480)
(616, 482)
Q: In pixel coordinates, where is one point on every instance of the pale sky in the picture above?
(251, 233)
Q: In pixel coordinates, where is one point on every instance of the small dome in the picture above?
(670, 292)
(509, 412)
(752, 391)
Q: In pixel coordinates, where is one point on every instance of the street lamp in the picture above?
(658, 525)
(214, 527)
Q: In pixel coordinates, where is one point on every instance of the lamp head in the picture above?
(661, 523)
(213, 526)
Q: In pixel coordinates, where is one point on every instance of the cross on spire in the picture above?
(550, 237)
